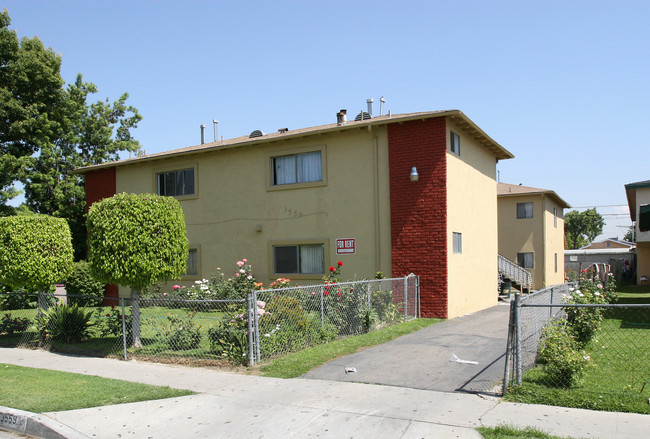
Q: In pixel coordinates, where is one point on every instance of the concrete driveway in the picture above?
(421, 360)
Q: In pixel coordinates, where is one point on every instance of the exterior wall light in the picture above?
(414, 174)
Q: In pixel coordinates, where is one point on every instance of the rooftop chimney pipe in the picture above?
(341, 117)
(369, 102)
(202, 134)
(382, 101)
(215, 122)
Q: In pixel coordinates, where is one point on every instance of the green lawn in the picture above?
(621, 353)
(42, 390)
(507, 432)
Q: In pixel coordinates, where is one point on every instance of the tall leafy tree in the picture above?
(580, 228)
(48, 129)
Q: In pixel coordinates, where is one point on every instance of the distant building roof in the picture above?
(505, 189)
(456, 115)
(609, 243)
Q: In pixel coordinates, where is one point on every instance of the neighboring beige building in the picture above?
(609, 243)
(638, 200)
(531, 231)
(284, 200)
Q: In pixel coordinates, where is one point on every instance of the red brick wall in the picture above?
(101, 184)
(419, 209)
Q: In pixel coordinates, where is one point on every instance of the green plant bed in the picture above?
(509, 432)
(620, 379)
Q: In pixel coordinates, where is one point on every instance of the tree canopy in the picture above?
(48, 129)
(580, 228)
(35, 251)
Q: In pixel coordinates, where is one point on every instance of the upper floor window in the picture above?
(297, 168)
(455, 143)
(524, 210)
(644, 217)
(176, 183)
(555, 217)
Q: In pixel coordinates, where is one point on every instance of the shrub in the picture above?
(181, 333)
(110, 323)
(18, 299)
(229, 339)
(585, 322)
(69, 324)
(10, 325)
(82, 288)
(560, 353)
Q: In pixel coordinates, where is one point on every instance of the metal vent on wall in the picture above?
(364, 115)
(256, 133)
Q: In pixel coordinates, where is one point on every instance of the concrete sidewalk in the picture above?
(231, 405)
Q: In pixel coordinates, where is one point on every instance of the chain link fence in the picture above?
(206, 332)
(594, 350)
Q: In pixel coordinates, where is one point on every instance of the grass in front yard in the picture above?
(298, 363)
(621, 379)
(508, 432)
(42, 390)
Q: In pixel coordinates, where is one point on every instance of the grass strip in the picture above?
(42, 390)
(509, 432)
(298, 363)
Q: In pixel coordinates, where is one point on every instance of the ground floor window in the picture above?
(526, 260)
(299, 258)
(192, 262)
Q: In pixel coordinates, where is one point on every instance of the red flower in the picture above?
(339, 294)
(326, 293)
(339, 263)
(332, 268)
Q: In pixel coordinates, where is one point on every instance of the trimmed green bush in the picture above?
(82, 283)
(564, 362)
(35, 251)
(137, 240)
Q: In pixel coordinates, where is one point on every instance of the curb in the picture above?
(35, 425)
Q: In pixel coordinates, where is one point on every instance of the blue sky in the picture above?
(563, 85)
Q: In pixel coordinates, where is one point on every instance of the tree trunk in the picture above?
(135, 313)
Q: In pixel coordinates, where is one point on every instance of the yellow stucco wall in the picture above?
(238, 214)
(538, 235)
(472, 211)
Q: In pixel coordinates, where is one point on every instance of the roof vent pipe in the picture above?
(202, 134)
(341, 117)
(215, 124)
(369, 102)
(382, 101)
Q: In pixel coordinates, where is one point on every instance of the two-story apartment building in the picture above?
(412, 193)
(638, 200)
(531, 231)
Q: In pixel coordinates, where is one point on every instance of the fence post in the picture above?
(406, 298)
(249, 310)
(123, 327)
(322, 308)
(509, 348)
(517, 324)
(256, 329)
(550, 308)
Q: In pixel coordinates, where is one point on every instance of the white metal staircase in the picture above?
(519, 276)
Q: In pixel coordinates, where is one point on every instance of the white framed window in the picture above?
(457, 239)
(526, 260)
(299, 258)
(454, 140)
(304, 167)
(524, 210)
(555, 219)
(176, 183)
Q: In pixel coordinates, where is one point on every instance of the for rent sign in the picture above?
(346, 246)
